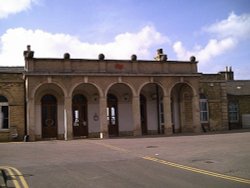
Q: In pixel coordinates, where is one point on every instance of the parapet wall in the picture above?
(109, 66)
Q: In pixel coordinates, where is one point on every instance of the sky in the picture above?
(216, 32)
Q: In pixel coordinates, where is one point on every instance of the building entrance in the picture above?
(49, 116)
(112, 115)
(80, 120)
(143, 108)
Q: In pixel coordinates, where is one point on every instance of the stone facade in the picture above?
(12, 90)
(214, 89)
(111, 92)
(239, 96)
(77, 98)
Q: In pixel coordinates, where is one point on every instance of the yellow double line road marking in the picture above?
(111, 147)
(197, 170)
(176, 165)
(15, 176)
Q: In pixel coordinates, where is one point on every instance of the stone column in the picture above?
(196, 114)
(103, 118)
(31, 119)
(68, 134)
(168, 129)
(136, 115)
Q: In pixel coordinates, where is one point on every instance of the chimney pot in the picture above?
(133, 57)
(101, 57)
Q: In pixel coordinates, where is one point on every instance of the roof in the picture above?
(238, 87)
(17, 69)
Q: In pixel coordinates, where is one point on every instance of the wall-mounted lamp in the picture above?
(126, 97)
(95, 97)
(95, 117)
(153, 96)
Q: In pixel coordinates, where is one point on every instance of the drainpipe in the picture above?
(26, 136)
(25, 106)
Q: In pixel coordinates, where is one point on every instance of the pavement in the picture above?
(206, 160)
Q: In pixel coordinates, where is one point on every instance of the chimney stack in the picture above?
(228, 74)
(160, 56)
(28, 54)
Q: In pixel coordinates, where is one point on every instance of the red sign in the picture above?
(119, 66)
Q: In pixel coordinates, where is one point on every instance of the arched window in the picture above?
(204, 113)
(4, 113)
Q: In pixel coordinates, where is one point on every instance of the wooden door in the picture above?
(49, 116)
(80, 116)
(143, 108)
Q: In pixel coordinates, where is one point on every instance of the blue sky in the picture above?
(217, 32)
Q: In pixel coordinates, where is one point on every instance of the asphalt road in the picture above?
(220, 160)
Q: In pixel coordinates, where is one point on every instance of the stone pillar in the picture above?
(136, 115)
(68, 129)
(103, 118)
(196, 114)
(168, 129)
(31, 119)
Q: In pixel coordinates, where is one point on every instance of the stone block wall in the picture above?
(244, 108)
(12, 88)
(215, 92)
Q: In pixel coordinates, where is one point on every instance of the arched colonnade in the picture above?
(110, 107)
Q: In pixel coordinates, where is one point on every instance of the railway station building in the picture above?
(66, 98)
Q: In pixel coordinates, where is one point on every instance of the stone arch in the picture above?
(182, 95)
(151, 108)
(100, 92)
(157, 83)
(133, 91)
(41, 85)
(8, 95)
(91, 91)
(176, 83)
(50, 88)
(58, 92)
(119, 102)
(89, 112)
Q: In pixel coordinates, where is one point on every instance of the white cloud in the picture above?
(8, 7)
(234, 26)
(226, 35)
(212, 49)
(45, 44)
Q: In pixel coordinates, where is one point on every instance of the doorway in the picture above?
(49, 116)
(80, 116)
(112, 115)
(182, 108)
(143, 109)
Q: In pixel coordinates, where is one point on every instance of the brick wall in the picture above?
(12, 87)
(243, 102)
(217, 103)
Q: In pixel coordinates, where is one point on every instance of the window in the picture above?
(204, 115)
(4, 113)
(233, 110)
